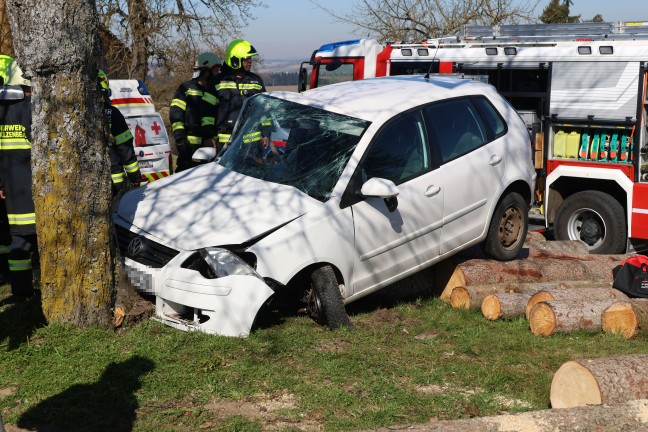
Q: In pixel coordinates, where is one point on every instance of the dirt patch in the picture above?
(7, 391)
(267, 409)
(387, 316)
(444, 388)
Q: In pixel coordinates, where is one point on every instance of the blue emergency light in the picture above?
(332, 46)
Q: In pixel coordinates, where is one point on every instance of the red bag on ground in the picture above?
(631, 277)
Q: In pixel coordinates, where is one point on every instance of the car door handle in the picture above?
(495, 159)
(432, 190)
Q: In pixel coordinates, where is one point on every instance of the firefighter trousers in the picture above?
(22, 257)
(5, 243)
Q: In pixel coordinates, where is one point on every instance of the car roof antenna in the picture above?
(427, 75)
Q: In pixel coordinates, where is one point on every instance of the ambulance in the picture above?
(581, 90)
(151, 141)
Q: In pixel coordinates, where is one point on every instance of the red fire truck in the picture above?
(581, 89)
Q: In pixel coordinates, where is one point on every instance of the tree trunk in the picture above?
(471, 297)
(505, 306)
(592, 293)
(626, 318)
(628, 416)
(138, 20)
(548, 268)
(57, 45)
(6, 42)
(547, 318)
(606, 380)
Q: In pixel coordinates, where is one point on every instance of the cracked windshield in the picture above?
(292, 144)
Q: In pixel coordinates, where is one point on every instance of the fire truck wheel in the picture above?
(324, 300)
(508, 228)
(595, 218)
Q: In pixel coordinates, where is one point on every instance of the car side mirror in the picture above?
(204, 155)
(302, 80)
(381, 188)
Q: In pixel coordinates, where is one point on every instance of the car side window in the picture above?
(491, 116)
(457, 127)
(400, 152)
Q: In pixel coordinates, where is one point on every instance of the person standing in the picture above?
(5, 233)
(123, 161)
(237, 82)
(192, 111)
(16, 184)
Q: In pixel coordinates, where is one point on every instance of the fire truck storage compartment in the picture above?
(592, 143)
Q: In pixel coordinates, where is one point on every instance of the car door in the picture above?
(390, 243)
(468, 135)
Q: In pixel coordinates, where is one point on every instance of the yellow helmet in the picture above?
(103, 80)
(207, 61)
(5, 61)
(15, 76)
(237, 50)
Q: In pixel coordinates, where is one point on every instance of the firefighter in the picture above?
(16, 182)
(193, 109)
(236, 84)
(5, 233)
(123, 161)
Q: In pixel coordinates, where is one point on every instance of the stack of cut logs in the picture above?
(558, 287)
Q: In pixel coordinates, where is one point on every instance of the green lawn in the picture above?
(404, 362)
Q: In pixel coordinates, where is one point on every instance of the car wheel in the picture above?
(595, 218)
(324, 300)
(508, 228)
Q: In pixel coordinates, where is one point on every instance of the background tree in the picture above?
(400, 20)
(57, 45)
(151, 29)
(558, 12)
(6, 43)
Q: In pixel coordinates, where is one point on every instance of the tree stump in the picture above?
(547, 318)
(552, 268)
(626, 318)
(505, 306)
(593, 292)
(606, 380)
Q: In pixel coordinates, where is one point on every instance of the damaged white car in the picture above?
(376, 180)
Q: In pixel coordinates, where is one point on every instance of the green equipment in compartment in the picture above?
(594, 150)
(583, 154)
(624, 155)
(604, 147)
(614, 148)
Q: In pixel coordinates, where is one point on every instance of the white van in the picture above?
(151, 141)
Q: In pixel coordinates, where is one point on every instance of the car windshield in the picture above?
(307, 148)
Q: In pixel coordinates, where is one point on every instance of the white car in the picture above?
(380, 178)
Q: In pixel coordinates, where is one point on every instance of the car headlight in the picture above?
(225, 263)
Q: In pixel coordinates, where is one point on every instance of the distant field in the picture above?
(283, 88)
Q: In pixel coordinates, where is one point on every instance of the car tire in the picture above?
(508, 228)
(325, 303)
(595, 218)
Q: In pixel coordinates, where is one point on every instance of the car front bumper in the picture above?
(186, 300)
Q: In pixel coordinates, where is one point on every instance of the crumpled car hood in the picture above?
(212, 206)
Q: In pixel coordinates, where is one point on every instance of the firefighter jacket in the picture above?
(122, 155)
(15, 165)
(192, 118)
(231, 92)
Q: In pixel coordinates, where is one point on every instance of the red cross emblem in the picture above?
(156, 128)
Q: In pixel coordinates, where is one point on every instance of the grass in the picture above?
(403, 363)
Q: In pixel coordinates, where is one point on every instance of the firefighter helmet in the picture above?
(15, 75)
(237, 50)
(208, 61)
(5, 61)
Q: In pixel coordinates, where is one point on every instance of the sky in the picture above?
(292, 29)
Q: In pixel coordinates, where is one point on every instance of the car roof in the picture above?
(376, 98)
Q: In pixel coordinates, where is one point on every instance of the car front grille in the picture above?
(148, 252)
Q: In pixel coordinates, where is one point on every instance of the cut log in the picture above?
(471, 297)
(606, 380)
(505, 306)
(626, 318)
(547, 318)
(450, 274)
(594, 292)
(627, 416)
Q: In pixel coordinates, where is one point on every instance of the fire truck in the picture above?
(581, 90)
(151, 141)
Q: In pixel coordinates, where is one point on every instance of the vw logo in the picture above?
(135, 247)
